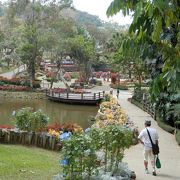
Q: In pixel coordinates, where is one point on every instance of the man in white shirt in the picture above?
(145, 140)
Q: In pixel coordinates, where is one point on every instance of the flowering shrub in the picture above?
(18, 82)
(110, 113)
(14, 88)
(13, 81)
(67, 76)
(113, 78)
(59, 90)
(70, 127)
(54, 132)
(50, 74)
(6, 127)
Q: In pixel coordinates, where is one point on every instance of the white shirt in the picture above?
(145, 137)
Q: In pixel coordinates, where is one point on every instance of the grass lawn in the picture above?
(27, 163)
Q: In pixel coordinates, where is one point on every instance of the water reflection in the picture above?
(56, 111)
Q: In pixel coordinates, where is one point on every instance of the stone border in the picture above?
(22, 95)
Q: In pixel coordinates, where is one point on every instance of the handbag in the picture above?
(158, 163)
(155, 147)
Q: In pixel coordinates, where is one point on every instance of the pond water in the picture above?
(58, 112)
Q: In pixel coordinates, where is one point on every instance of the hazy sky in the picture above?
(99, 7)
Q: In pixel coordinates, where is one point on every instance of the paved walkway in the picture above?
(169, 150)
(11, 74)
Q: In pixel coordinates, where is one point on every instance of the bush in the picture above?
(67, 76)
(98, 82)
(79, 150)
(74, 75)
(27, 120)
(165, 126)
(2, 83)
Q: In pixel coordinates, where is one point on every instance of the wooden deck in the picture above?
(75, 98)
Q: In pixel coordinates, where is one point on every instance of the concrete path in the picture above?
(11, 74)
(169, 150)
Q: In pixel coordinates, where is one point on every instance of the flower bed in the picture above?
(18, 82)
(13, 81)
(14, 88)
(98, 153)
(49, 139)
(95, 153)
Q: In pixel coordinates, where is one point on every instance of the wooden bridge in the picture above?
(76, 98)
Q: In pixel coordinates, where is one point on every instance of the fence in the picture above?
(76, 96)
(142, 100)
(38, 139)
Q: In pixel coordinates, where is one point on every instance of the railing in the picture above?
(146, 105)
(76, 96)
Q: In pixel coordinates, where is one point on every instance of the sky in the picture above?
(98, 8)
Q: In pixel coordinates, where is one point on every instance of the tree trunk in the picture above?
(32, 73)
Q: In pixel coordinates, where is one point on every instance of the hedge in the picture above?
(177, 135)
(164, 125)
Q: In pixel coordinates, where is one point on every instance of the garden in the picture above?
(95, 152)
(69, 53)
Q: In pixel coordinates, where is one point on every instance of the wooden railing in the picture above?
(148, 107)
(70, 95)
(145, 103)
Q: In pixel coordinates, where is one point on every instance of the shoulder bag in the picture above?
(155, 147)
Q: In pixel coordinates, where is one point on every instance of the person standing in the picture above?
(145, 140)
(117, 92)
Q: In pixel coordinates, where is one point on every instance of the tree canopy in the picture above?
(156, 27)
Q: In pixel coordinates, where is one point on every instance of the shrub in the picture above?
(79, 150)
(26, 119)
(74, 75)
(67, 76)
(98, 82)
(164, 125)
(121, 86)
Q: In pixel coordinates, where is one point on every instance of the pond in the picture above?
(62, 113)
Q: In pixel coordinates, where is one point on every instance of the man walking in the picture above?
(145, 140)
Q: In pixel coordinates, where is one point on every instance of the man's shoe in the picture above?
(146, 171)
(154, 173)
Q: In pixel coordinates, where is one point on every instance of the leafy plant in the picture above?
(78, 151)
(155, 27)
(79, 155)
(27, 120)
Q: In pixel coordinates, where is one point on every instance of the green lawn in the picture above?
(27, 163)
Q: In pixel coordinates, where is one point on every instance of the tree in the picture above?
(36, 15)
(156, 26)
(83, 50)
(123, 53)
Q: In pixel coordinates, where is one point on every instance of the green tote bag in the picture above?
(158, 163)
